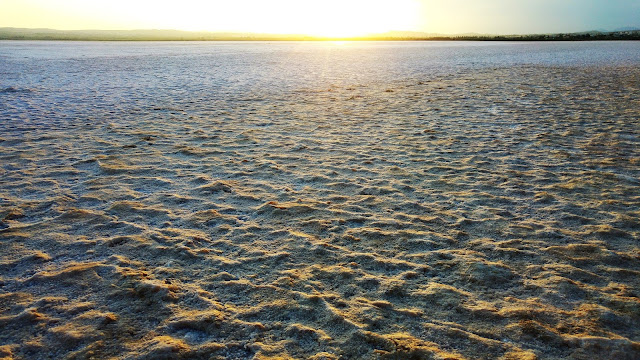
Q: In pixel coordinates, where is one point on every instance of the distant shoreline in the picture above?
(176, 35)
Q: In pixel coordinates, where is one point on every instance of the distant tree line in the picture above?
(590, 36)
(174, 35)
(618, 35)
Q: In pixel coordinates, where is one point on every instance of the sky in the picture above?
(326, 17)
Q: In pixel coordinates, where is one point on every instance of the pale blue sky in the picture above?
(326, 17)
(530, 16)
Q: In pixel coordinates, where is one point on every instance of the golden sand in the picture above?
(493, 215)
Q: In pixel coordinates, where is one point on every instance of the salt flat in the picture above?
(309, 201)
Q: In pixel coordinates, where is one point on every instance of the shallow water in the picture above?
(320, 200)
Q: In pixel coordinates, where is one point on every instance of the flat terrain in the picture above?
(481, 215)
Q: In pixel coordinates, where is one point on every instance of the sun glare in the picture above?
(328, 18)
(340, 18)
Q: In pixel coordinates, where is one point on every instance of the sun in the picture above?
(341, 18)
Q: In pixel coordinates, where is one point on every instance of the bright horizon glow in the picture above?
(326, 18)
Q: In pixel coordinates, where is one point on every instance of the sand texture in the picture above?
(484, 215)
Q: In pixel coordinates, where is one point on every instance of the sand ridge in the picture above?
(470, 216)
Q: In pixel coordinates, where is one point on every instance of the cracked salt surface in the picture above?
(265, 200)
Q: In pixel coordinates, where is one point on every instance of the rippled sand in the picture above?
(488, 215)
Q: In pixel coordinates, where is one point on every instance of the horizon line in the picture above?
(15, 33)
